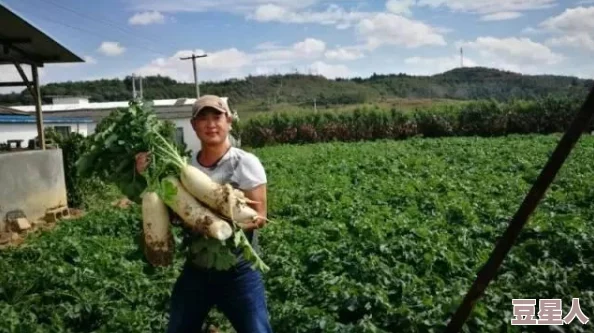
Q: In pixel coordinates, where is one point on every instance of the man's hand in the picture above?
(258, 195)
(142, 162)
(257, 223)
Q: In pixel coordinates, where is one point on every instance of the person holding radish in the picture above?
(238, 292)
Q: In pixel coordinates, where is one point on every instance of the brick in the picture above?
(5, 238)
(23, 224)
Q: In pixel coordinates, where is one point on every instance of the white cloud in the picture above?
(489, 6)
(267, 46)
(333, 15)
(433, 65)
(397, 30)
(574, 27)
(307, 49)
(90, 60)
(111, 48)
(501, 16)
(344, 53)
(227, 60)
(400, 6)
(236, 6)
(531, 31)
(9, 73)
(330, 71)
(145, 18)
(512, 51)
(236, 63)
(578, 40)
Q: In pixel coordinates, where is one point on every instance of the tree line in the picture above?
(301, 89)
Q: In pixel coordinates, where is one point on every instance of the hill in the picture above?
(300, 90)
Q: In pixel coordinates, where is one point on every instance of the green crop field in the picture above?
(382, 236)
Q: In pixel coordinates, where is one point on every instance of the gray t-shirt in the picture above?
(241, 169)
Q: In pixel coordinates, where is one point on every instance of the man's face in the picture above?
(211, 126)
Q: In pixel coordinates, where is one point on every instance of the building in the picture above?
(33, 186)
(18, 127)
(178, 111)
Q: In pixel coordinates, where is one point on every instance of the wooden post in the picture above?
(580, 123)
(39, 114)
(194, 57)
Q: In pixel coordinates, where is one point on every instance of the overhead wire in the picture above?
(98, 18)
(87, 31)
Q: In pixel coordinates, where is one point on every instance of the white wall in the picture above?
(70, 100)
(91, 128)
(190, 137)
(28, 131)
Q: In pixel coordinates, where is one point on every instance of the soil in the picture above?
(122, 203)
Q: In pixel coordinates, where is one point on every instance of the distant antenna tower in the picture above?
(461, 58)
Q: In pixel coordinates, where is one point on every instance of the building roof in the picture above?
(103, 105)
(166, 112)
(27, 119)
(4, 110)
(26, 43)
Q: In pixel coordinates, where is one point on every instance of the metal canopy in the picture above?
(23, 43)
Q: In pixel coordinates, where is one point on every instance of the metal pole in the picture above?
(580, 123)
(38, 112)
(133, 86)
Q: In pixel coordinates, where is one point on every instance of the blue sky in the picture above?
(332, 38)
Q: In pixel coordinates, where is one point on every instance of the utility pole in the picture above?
(133, 86)
(194, 57)
(461, 58)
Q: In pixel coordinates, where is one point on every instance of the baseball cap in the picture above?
(211, 101)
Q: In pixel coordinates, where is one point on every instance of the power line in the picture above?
(90, 32)
(98, 19)
(99, 35)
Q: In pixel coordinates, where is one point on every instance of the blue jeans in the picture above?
(237, 293)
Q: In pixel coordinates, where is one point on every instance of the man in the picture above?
(238, 292)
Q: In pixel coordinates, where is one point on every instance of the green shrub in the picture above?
(477, 118)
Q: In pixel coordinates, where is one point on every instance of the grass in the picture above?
(382, 236)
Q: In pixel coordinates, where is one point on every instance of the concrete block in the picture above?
(32, 181)
(5, 238)
(53, 215)
(22, 224)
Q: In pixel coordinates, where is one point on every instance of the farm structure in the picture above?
(18, 129)
(33, 184)
(178, 111)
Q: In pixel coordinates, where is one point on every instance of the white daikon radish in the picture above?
(158, 238)
(195, 216)
(221, 198)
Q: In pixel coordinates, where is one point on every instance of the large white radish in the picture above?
(158, 238)
(195, 216)
(222, 198)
